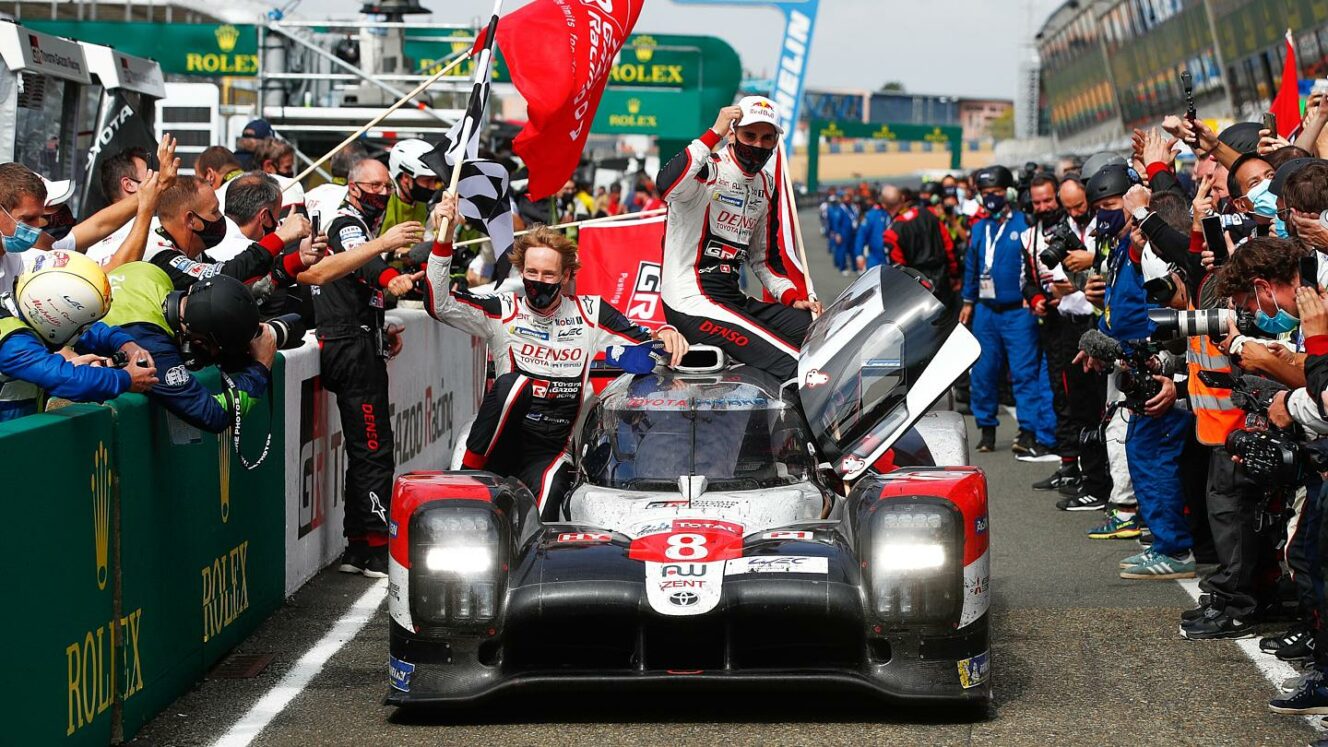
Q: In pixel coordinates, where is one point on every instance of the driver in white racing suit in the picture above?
(723, 209)
(542, 346)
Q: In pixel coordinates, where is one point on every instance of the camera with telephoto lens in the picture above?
(1172, 323)
(1271, 455)
(1061, 240)
(289, 329)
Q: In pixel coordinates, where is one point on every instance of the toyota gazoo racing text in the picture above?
(723, 529)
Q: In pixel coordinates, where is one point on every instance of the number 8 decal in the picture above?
(686, 547)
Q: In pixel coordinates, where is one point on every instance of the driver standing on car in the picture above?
(723, 215)
(542, 346)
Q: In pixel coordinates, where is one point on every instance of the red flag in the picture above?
(1286, 107)
(622, 262)
(783, 243)
(559, 54)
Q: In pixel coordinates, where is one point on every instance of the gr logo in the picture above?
(644, 303)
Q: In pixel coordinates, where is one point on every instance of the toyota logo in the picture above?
(683, 598)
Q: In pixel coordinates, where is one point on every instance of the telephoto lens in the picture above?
(289, 330)
(1172, 323)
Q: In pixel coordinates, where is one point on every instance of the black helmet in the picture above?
(1096, 161)
(994, 176)
(221, 311)
(1109, 181)
(1242, 137)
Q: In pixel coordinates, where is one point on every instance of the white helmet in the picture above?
(62, 295)
(408, 156)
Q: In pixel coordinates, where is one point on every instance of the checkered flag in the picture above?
(484, 195)
(450, 147)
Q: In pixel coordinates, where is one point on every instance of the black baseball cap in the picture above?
(1242, 137)
(1285, 171)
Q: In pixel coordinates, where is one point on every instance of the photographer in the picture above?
(1157, 432)
(214, 321)
(1078, 396)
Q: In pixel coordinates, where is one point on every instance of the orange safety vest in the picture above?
(1214, 414)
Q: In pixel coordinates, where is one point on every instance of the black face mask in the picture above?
(750, 157)
(212, 232)
(372, 207)
(541, 295)
(1051, 216)
(420, 194)
(269, 227)
(1083, 220)
(60, 223)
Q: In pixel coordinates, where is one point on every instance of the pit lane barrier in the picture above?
(144, 552)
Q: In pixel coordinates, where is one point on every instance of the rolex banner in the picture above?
(120, 125)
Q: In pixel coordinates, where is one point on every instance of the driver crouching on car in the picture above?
(542, 345)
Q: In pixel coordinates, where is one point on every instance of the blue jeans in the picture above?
(1011, 335)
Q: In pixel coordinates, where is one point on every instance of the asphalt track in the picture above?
(1079, 655)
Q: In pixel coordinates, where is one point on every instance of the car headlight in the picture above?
(455, 565)
(915, 562)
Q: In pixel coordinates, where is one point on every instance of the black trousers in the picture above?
(520, 432)
(1233, 506)
(1078, 398)
(353, 370)
(764, 335)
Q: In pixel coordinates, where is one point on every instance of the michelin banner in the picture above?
(434, 387)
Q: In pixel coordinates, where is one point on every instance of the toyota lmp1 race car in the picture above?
(723, 529)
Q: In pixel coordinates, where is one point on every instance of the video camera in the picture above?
(1143, 360)
(1267, 453)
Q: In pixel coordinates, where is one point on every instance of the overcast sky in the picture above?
(960, 47)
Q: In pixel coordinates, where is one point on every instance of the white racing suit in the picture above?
(720, 218)
(542, 364)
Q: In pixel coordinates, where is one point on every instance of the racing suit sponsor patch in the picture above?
(398, 673)
(731, 200)
(974, 671)
(176, 376)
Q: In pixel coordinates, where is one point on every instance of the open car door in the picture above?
(874, 362)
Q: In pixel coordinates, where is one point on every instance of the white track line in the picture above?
(1272, 668)
(293, 683)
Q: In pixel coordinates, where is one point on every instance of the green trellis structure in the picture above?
(949, 135)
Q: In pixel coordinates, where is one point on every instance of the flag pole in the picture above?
(797, 227)
(481, 69)
(462, 55)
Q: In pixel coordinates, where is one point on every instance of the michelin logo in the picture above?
(730, 200)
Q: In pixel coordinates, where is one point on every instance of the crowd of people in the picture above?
(1161, 331)
(1161, 328)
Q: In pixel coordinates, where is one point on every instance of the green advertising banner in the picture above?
(668, 86)
(66, 654)
(180, 48)
(156, 552)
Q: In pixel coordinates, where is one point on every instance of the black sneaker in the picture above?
(1023, 442)
(1301, 648)
(1067, 472)
(1038, 453)
(375, 562)
(1082, 502)
(1194, 614)
(1310, 700)
(1145, 537)
(988, 441)
(1216, 625)
(354, 558)
(1071, 488)
(1274, 643)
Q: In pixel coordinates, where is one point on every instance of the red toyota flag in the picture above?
(559, 54)
(622, 262)
(1286, 107)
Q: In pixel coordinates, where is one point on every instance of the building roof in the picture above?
(176, 11)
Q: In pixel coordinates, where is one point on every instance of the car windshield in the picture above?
(737, 440)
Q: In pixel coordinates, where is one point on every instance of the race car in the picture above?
(725, 529)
